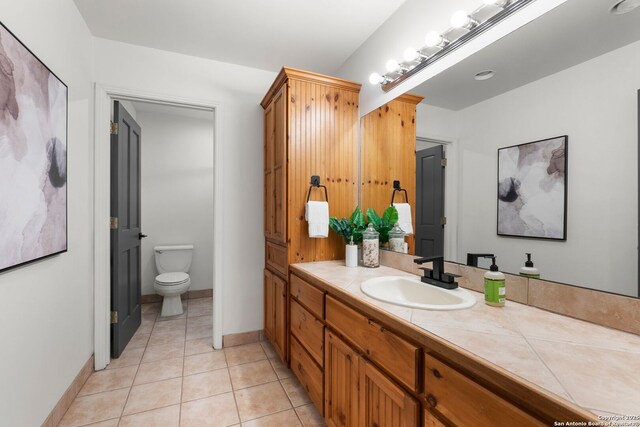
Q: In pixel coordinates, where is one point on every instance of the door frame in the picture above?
(104, 95)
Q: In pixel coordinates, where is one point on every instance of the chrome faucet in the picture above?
(436, 275)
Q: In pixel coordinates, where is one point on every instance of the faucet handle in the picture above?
(428, 272)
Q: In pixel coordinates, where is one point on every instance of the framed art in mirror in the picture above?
(33, 156)
(532, 189)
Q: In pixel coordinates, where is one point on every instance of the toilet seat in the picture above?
(172, 279)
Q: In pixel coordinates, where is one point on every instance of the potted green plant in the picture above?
(351, 231)
(383, 224)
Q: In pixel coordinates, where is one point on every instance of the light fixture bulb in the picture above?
(410, 54)
(433, 39)
(375, 78)
(460, 19)
(392, 65)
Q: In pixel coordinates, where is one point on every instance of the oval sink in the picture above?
(411, 292)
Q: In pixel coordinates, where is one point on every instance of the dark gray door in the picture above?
(430, 202)
(125, 229)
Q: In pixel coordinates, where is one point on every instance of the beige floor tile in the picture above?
(280, 368)
(250, 374)
(206, 384)
(200, 320)
(129, 357)
(165, 351)
(244, 354)
(160, 370)
(213, 411)
(96, 407)
(197, 346)
(199, 331)
(200, 307)
(109, 423)
(200, 302)
(163, 417)
(261, 400)
(204, 362)
(310, 416)
(145, 327)
(153, 396)
(297, 394)
(268, 349)
(287, 418)
(167, 337)
(108, 379)
(138, 341)
(170, 325)
(151, 308)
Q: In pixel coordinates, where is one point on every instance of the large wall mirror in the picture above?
(574, 71)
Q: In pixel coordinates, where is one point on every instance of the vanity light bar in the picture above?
(490, 13)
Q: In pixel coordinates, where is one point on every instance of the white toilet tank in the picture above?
(173, 258)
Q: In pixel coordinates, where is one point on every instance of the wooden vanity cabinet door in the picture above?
(279, 340)
(269, 306)
(269, 134)
(464, 402)
(340, 383)
(431, 420)
(280, 166)
(383, 402)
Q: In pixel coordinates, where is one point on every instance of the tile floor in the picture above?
(169, 375)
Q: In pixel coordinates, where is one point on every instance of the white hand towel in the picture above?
(404, 217)
(317, 215)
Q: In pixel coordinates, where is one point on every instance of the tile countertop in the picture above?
(595, 367)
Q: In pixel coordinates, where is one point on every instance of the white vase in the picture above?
(351, 256)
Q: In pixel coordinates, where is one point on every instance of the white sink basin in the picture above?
(411, 292)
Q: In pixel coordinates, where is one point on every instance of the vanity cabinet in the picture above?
(310, 128)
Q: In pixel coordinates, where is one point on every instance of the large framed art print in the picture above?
(33, 156)
(532, 189)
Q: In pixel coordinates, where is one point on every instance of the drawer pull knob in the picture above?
(437, 373)
(381, 328)
(431, 399)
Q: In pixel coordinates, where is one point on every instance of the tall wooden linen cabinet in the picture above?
(310, 128)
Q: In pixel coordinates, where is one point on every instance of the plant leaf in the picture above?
(357, 218)
(374, 218)
(390, 215)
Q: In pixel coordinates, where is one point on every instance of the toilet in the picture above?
(173, 263)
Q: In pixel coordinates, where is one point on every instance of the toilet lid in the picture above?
(172, 278)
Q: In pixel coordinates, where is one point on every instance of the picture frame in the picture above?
(34, 104)
(532, 189)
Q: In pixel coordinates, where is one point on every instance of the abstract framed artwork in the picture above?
(33, 156)
(532, 189)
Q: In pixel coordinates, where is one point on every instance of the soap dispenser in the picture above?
(396, 238)
(494, 286)
(529, 270)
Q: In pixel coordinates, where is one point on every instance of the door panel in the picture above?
(269, 316)
(280, 309)
(280, 165)
(429, 202)
(125, 237)
(269, 133)
(340, 383)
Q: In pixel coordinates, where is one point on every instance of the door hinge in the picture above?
(443, 220)
(114, 128)
(114, 317)
(443, 163)
(113, 223)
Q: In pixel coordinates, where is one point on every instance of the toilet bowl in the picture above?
(173, 263)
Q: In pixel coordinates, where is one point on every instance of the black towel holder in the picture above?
(315, 182)
(397, 188)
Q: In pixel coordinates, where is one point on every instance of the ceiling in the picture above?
(317, 35)
(574, 32)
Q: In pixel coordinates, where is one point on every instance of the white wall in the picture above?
(595, 104)
(46, 309)
(177, 187)
(239, 90)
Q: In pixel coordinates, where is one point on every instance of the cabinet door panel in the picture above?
(269, 314)
(280, 322)
(308, 373)
(382, 402)
(340, 383)
(308, 330)
(269, 134)
(280, 165)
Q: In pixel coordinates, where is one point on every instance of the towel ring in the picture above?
(315, 182)
(398, 189)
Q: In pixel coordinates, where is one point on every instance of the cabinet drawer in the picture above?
(308, 330)
(464, 402)
(309, 296)
(308, 373)
(277, 258)
(397, 356)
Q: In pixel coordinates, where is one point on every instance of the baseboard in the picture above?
(242, 338)
(202, 293)
(67, 398)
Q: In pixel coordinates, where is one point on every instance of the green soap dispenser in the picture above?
(494, 289)
(529, 270)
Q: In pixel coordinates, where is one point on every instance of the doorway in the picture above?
(104, 97)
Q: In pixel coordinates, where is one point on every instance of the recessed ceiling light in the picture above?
(624, 6)
(484, 75)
